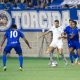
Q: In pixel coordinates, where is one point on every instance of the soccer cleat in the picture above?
(73, 63)
(76, 60)
(20, 69)
(66, 63)
(4, 68)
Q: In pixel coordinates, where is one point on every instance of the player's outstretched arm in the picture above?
(26, 41)
(45, 33)
(3, 40)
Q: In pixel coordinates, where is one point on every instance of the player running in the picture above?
(57, 42)
(13, 35)
(72, 34)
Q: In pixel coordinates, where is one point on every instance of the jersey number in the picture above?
(13, 34)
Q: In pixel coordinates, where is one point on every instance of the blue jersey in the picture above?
(13, 36)
(72, 42)
(70, 31)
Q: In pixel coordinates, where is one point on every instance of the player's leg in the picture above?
(49, 51)
(52, 62)
(78, 50)
(72, 47)
(20, 61)
(7, 49)
(75, 54)
(19, 52)
(71, 50)
(60, 51)
(4, 60)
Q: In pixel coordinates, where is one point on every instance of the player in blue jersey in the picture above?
(13, 35)
(73, 40)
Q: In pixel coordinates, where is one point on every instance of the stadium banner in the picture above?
(37, 19)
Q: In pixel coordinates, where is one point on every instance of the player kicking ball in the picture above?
(57, 42)
(13, 35)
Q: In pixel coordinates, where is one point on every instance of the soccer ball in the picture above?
(54, 64)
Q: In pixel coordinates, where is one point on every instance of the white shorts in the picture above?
(57, 44)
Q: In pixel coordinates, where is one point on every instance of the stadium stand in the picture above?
(25, 4)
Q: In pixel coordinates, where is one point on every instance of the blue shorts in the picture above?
(74, 45)
(16, 47)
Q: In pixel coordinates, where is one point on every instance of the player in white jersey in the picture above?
(57, 42)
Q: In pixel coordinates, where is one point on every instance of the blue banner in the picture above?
(37, 19)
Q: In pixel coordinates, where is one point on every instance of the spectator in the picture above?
(35, 3)
(22, 1)
(42, 3)
(29, 3)
(70, 3)
(1, 1)
(49, 1)
(15, 6)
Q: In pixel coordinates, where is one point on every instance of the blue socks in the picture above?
(4, 59)
(21, 61)
(72, 56)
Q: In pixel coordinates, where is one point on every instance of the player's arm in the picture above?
(3, 40)
(72, 36)
(63, 35)
(45, 33)
(26, 41)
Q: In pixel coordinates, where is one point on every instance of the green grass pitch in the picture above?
(38, 69)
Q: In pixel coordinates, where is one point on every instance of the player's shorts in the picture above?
(75, 45)
(57, 44)
(16, 47)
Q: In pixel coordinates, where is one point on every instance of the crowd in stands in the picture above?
(31, 4)
(24, 4)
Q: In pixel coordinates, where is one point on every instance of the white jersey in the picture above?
(56, 32)
(56, 42)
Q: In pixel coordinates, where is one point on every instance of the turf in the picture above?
(38, 69)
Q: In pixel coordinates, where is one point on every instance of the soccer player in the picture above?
(57, 42)
(73, 40)
(13, 35)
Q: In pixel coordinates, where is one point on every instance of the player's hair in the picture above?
(71, 20)
(14, 26)
(56, 21)
(75, 22)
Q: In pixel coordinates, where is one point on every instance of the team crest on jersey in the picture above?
(5, 20)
